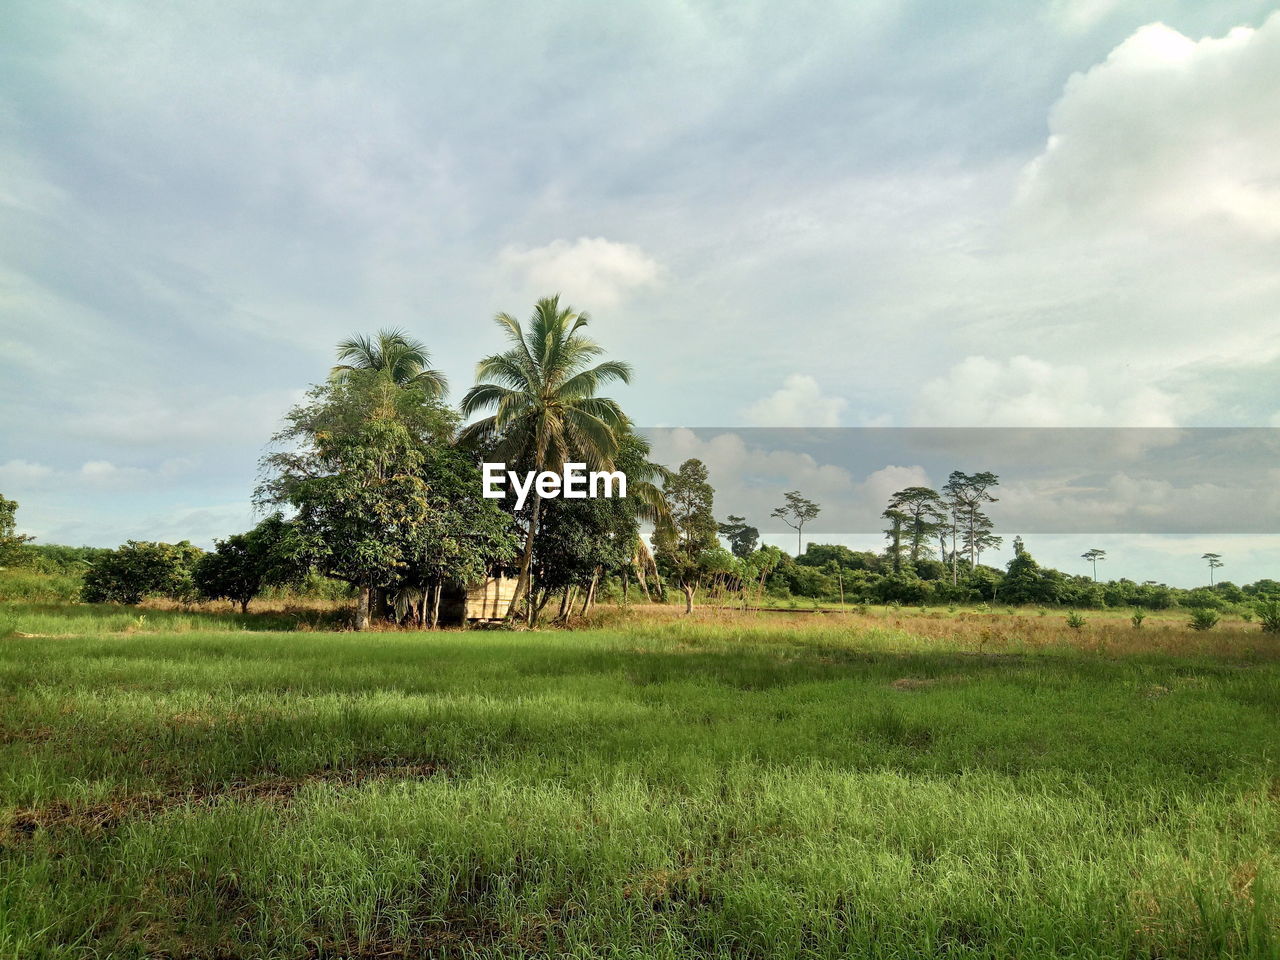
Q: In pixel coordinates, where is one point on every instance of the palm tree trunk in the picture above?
(526, 562)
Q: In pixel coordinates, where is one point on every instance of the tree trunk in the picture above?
(688, 597)
(526, 562)
(564, 605)
(435, 606)
(362, 608)
(591, 593)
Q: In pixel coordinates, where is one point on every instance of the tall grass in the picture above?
(682, 788)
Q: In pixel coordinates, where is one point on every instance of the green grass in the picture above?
(737, 789)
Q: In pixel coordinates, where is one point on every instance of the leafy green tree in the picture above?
(684, 542)
(352, 471)
(579, 541)
(822, 554)
(893, 534)
(141, 569)
(795, 512)
(743, 538)
(543, 391)
(393, 355)
(242, 565)
(11, 542)
(462, 536)
(1026, 582)
(965, 493)
(924, 516)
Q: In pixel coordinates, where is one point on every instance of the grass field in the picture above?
(768, 785)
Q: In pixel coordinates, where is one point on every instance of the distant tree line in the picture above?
(374, 484)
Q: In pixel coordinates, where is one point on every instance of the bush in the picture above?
(1075, 621)
(1268, 612)
(141, 569)
(35, 586)
(1203, 618)
(1138, 616)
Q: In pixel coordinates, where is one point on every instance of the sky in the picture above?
(882, 214)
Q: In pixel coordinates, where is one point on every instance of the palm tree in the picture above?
(403, 361)
(546, 412)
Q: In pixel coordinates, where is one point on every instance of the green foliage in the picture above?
(142, 569)
(1203, 618)
(32, 584)
(1137, 617)
(241, 566)
(1075, 621)
(393, 355)
(743, 538)
(548, 412)
(11, 542)
(353, 474)
(686, 547)
(923, 514)
(1268, 613)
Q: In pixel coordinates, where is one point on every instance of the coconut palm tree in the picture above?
(405, 362)
(546, 411)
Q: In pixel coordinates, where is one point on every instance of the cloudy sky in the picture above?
(874, 214)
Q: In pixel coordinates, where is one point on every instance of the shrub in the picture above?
(142, 569)
(1075, 621)
(1203, 618)
(1268, 612)
(1138, 616)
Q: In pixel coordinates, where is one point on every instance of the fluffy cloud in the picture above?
(23, 474)
(799, 402)
(589, 271)
(1168, 132)
(1023, 392)
(749, 476)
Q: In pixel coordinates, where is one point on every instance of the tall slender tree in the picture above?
(1093, 556)
(795, 513)
(685, 542)
(546, 412)
(897, 519)
(403, 361)
(1214, 561)
(965, 495)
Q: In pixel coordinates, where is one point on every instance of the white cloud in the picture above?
(23, 474)
(1076, 16)
(590, 272)
(799, 402)
(1168, 132)
(749, 480)
(140, 417)
(1024, 392)
(105, 474)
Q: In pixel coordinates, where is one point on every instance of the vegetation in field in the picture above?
(730, 784)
